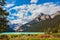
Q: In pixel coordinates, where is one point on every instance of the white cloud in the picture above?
(9, 5)
(33, 1)
(50, 8)
(46, 8)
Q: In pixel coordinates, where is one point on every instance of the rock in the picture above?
(43, 17)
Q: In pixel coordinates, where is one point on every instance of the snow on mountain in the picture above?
(25, 13)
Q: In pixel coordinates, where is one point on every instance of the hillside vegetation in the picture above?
(49, 26)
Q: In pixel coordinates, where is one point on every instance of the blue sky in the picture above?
(25, 2)
(21, 2)
(44, 1)
(23, 11)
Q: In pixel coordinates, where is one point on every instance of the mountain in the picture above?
(40, 24)
(48, 25)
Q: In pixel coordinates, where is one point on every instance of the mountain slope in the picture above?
(46, 25)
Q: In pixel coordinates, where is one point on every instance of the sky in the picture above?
(24, 11)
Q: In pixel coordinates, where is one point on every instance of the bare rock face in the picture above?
(47, 17)
(43, 17)
(57, 13)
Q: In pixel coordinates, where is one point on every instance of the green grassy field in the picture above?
(30, 36)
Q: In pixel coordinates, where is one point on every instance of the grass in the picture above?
(28, 37)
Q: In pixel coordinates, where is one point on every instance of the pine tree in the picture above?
(3, 16)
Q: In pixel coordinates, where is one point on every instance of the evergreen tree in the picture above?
(3, 16)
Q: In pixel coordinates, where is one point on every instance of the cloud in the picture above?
(33, 1)
(50, 8)
(9, 5)
(35, 10)
(23, 12)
